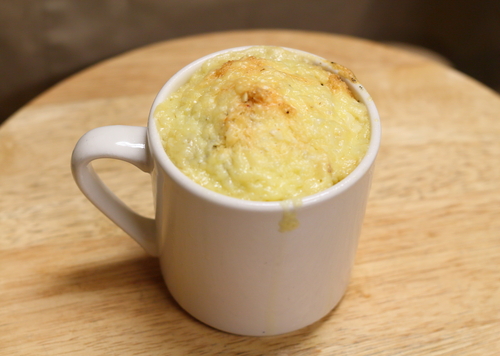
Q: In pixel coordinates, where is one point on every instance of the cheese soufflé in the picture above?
(265, 124)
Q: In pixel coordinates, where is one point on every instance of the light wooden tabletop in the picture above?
(427, 275)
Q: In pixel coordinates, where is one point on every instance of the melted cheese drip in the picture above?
(264, 124)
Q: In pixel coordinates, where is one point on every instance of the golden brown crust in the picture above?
(238, 125)
(219, 72)
(252, 65)
(266, 97)
(336, 84)
(265, 124)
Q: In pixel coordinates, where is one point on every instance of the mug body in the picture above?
(228, 263)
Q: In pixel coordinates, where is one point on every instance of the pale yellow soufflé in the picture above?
(265, 124)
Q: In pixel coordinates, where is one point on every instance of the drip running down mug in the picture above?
(224, 260)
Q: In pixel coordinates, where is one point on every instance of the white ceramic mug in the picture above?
(223, 259)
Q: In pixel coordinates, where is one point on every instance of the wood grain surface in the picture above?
(427, 275)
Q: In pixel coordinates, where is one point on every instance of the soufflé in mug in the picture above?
(265, 124)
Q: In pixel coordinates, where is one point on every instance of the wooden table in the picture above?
(427, 274)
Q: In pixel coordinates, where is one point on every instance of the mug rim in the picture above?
(161, 157)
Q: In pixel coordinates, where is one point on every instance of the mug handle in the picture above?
(125, 143)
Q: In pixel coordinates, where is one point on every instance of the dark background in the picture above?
(44, 41)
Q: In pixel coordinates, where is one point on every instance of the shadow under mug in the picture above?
(224, 259)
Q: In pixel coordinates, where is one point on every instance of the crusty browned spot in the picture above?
(260, 96)
(256, 104)
(223, 69)
(267, 97)
(252, 64)
(336, 84)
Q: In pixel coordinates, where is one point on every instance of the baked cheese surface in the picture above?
(264, 124)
